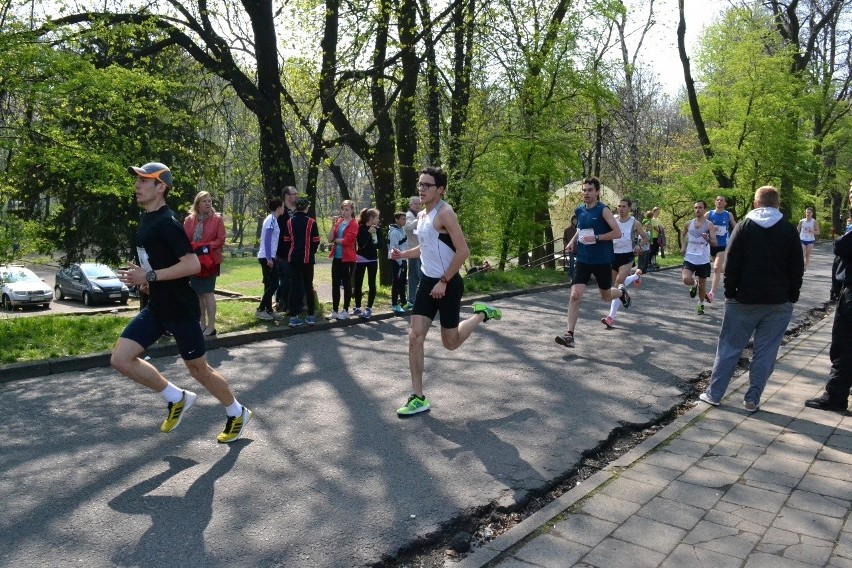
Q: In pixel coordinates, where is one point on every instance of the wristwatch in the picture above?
(444, 279)
(151, 276)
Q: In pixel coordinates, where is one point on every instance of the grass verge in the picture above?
(43, 337)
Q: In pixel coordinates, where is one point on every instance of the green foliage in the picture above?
(83, 126)
(750, 98)
(19, 238)
(528, 124)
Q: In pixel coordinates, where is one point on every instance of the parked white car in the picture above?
(19, 286)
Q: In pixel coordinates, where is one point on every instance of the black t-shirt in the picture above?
(160, 243)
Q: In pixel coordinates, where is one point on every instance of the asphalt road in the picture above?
(328, 476)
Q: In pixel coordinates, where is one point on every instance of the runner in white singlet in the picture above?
(625, 248)
(698, 235)
(442, 251)
(808, 232)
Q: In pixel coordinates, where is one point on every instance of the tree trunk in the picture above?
(463, 31)
(433, 91)
(406, 125)
(722, 179)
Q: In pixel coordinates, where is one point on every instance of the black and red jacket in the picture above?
(302, 237)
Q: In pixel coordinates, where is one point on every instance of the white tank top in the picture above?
(624, 243)
(436, 249)
(697, 248)
(807, 232)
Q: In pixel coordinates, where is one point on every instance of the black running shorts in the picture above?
(448, 307)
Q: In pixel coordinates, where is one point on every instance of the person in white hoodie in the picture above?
(763, 277)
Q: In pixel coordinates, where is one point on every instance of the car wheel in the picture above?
(58, 293)
(87, 299)
(123, 301)
(7, 303)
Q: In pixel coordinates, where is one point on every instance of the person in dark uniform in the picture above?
(836, 395)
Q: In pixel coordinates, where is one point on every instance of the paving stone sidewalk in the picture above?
(717, 487)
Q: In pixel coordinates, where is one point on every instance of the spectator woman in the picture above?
(342, 237)
(367, 260)
(206, 230)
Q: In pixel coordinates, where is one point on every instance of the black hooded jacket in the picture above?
(764, 262)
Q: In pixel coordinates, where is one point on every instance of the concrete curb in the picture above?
(482, 557)
(31, 369)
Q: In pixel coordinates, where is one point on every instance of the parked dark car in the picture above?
(92, 283)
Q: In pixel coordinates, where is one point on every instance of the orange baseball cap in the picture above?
(154, 170)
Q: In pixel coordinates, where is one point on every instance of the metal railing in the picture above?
(559, 252)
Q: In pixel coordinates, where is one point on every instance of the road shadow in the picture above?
(501, 460)
(176, 535)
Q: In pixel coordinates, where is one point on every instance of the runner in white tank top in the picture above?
(697, 242)
(442, 252)
(436, 249)
(808, 232)
(625, 248)
(698, 235)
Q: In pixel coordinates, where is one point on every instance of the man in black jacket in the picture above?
(302, 238)
(836, 395)
(282, 265)
(763, 277)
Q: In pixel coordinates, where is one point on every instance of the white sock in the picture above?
(613, 308)
(630, 279)
(235, 409)
(171, 393)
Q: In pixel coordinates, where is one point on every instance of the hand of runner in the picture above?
(439, 290)
(132, 275)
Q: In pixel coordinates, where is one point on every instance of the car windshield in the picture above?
(19, 275)
(101, 271)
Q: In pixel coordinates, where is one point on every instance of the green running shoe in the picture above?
(234, 427)
(487, 311)
(693, 291)
(176, 410)
(414, 405)
(700, 309)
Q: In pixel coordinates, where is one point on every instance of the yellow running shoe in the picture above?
(234, 427)
(176, 411)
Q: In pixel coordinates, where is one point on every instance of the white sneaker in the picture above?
(343, 315)
(263, 315)
(638, 282)
(332, 316)
(704, 397)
